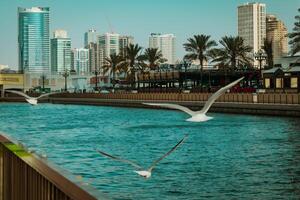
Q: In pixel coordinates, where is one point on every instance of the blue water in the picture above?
(229, 157)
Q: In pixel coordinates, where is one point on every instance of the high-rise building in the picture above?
(108, 44)
(252, 25)
(81, 61)
(90, 36)
(93, 56)
(124, 42)
(60, 52)
(166, 44)
(33, 39)
(277, 33)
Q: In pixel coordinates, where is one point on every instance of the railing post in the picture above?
(1, 172)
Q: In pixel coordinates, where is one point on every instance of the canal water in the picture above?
(228, 157)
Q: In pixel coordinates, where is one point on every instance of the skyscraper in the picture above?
(124, 42)
(60, 52)
(33, 39)
(252, 25)
(277, 33)
(93, 56)
(166, 44)
(81, 61)
(108, 44)
(90, 36)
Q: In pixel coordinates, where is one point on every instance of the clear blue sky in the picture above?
(138, 18)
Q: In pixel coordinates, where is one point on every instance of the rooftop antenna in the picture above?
(109, 24)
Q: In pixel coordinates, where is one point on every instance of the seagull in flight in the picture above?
(198, 116)
(32, 100)
(146, 173)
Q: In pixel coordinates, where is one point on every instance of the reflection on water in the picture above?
(229, 157)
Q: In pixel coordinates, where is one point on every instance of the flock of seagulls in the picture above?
(196, 116)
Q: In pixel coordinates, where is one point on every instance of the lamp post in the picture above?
(186, 63)
(96, 72)
(260, 56)
(65, 74)
(43, 77)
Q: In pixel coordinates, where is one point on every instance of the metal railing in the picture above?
(25, 177)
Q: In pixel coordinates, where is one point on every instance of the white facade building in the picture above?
(166, 44)
(252, 25)
(108, 44)
(60, 52)
(81, 61)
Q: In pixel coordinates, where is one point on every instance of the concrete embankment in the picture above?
(289, 110)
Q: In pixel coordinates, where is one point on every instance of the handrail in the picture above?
(22, 171)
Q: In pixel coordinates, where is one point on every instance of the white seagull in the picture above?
(146, 173)
(32, 100)
(198, 116)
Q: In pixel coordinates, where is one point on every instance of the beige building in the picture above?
(11, 81)
(252, 25)
(124, 42)
(276, 32)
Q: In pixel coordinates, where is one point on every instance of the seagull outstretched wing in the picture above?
(120, 159)
(166, 154)
(173, 106)
(216, 95)
(19, 93)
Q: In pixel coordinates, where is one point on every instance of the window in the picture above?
(267, 83)
(113, 42)
(278, 82)
(294, 82)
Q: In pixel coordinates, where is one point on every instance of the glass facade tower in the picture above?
(33, 39)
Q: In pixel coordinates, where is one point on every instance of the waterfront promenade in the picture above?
(240, 103)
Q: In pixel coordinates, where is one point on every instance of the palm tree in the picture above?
(153, 57)
(199, 48)
(232, 52)
(132, 58)
(295, 36)
(114, 64)
(268, 48)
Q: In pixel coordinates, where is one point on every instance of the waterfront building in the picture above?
(90, 37)
(277, 33)
(81, 61)
(33, 39)
(108, 44)
(166, 44)
(252, 26)
(10, 81)
(56, 82)
(60, 52)
(124, 42)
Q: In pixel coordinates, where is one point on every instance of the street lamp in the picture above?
(185, 63)
(43, 77)
(65, 74)
(96, 72)
(260, 56)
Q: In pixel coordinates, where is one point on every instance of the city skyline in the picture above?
(139, 22)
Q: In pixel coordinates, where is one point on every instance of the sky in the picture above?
(138, 18)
